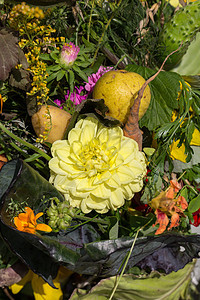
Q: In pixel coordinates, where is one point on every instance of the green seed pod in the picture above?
(52, 224)
(182, 28)
(54, 218)
(62, 225)
(67, 218)
(52, 212)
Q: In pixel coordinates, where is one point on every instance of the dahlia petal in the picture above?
(101, 192)
(114, 181)
(100, 178)
(117, 199)
(54, 166)
(126, 175)
(87, 134)
(74, 135)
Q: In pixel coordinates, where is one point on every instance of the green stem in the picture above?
(101, 38)
(90, 21)
(127, 259)
(124, 267)
(29, 145)
(84, 218)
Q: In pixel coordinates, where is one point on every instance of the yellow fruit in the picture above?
(50, 123)
(119, 89)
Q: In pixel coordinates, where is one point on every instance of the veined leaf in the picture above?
(154, 287)
(164, 93)
(194, 204)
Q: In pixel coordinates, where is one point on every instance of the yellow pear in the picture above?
(50, 123)
(119, 89)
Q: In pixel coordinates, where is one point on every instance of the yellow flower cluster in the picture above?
(22, 13)
(35, 38)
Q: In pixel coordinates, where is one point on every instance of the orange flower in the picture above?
(166, 204)
(162, 219)
(27, 222)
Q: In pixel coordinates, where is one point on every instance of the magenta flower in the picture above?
(59, 102)
(75, 96)
(92, 79)
(68, 54)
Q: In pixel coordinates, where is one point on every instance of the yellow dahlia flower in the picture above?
(97, 168)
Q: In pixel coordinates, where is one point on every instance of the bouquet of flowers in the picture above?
(99, 151)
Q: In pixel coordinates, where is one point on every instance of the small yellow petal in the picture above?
(178, 153)
(43, 291)
(16, 288)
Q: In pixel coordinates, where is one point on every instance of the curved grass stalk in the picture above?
(102, 36)
(127, 259)
(29, 145)
(125, 264)
(90, 21)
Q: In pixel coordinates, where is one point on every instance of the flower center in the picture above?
(94, 158)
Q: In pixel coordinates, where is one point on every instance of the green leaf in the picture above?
(184, 193)
(164, 92)
(9, 54)
(54, 55)
(53, 68)
(32, 157)
(190, 61)
(155, 287)
(60, 75)
(45, 56)
(71, 80)
(79, 72)
(52, 76)
(194, 204)
(114, 231)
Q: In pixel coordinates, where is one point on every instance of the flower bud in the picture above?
(68, 54)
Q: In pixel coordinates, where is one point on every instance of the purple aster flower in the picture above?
(68, 54)
(92, 79)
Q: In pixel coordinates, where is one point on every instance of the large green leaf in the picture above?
(164, 92)
(190, 62)
(157, 287)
